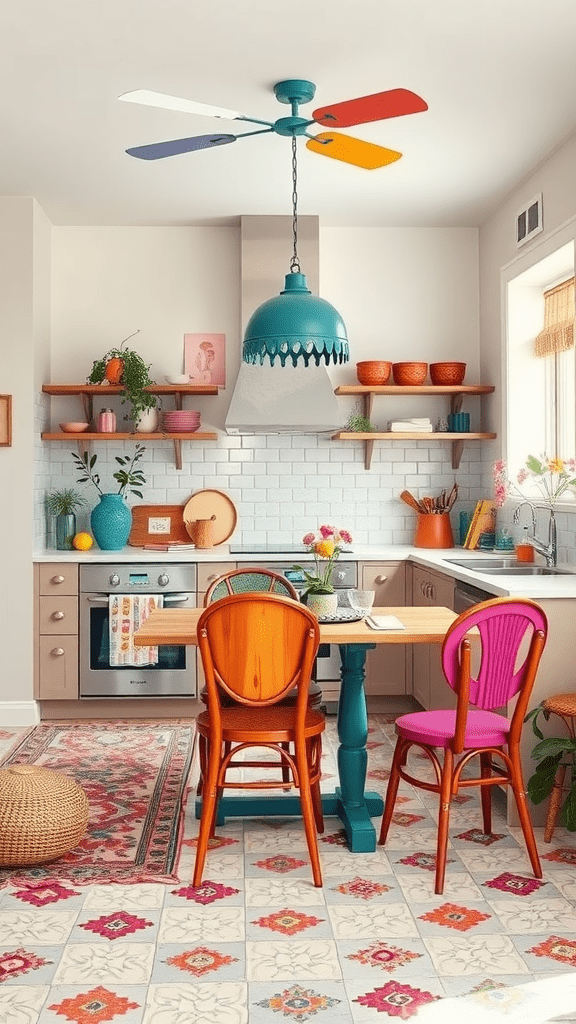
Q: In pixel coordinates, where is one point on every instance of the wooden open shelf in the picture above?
(87, 392)
(456, 393)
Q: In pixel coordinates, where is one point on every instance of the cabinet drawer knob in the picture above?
(381, 579)
(57, 579)
(57, 615)
(57, 652)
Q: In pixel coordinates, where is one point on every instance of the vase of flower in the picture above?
(111, 522)
(63, 504)
(318, 594)
(323, 605)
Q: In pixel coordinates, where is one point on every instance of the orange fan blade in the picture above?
(377, 107)
(352, 151)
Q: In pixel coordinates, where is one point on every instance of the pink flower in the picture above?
(308, 539)
(522, 476)
(345, 536)
(327, 531)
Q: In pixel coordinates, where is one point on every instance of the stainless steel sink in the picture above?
(507, 567)
(485, 563)
(525, 570)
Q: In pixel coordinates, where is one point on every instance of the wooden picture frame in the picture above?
(5, 421)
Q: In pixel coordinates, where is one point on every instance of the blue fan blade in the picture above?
(160, 149)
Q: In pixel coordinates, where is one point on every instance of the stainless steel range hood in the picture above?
(275, 399)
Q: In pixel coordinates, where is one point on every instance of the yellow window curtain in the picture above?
(558, 333)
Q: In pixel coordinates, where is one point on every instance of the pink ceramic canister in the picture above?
(106, 421)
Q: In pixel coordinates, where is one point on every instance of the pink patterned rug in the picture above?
(135, 777)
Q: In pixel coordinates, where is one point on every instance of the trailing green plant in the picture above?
(128, 477)
(64, 502)
(359, 424)
(552, 753)
(133, 375)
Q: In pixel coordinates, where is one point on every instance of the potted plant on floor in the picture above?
(124, 366)
(556, 756)
(63, 504)
(111, 519)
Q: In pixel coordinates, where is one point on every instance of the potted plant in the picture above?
(63, 505)
(124, 366)
(319, 593)
(359, 424)
(111, 519)
(555, 755)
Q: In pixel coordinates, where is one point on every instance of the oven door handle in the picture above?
(168, 598)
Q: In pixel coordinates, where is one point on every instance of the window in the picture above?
(541, 389)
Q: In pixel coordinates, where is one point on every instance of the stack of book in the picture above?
(423, 426)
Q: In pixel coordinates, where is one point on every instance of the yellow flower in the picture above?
(556, 465)
(324, 548)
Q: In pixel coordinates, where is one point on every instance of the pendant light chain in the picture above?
(294, 262)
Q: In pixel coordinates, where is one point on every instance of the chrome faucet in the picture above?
(549, 550)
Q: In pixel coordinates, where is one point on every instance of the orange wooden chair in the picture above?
(253, 580)
(255, 648)
(511, 635)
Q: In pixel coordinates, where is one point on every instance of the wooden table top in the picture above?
(423, 625)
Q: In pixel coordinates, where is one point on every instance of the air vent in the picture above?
(529, 220)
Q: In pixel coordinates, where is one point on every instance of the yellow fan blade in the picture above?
(352, 151)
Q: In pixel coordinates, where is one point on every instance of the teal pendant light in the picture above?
(295, 325)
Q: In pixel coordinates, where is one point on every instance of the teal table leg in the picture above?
(355, 806)
(349, 801)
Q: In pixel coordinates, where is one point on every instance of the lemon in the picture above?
(82, 541)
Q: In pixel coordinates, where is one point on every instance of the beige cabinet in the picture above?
(386, 664)
(429, 686)
(56, 631)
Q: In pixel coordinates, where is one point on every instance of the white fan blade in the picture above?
(159, 99)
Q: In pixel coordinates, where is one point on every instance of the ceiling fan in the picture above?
(376, 107)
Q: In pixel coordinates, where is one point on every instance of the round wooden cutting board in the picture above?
(208, 504)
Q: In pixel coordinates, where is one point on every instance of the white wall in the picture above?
(404, 294)
(24, 285)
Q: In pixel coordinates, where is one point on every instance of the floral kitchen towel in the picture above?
(126, 613)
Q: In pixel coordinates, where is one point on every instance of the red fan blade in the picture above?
(393, 103)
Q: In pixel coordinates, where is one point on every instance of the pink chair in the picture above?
(501, 627)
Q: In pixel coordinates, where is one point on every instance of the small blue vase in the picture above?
(111, 522)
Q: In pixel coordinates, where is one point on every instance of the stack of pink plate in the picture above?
(181, 421)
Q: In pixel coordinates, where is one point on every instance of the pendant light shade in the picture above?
(296, 325)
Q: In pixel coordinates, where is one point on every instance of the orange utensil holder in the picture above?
(203, 533)
(434, 531)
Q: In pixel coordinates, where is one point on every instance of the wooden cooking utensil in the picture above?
(411, 500)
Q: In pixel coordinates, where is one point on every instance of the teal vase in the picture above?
(111, 522)
(65, 530)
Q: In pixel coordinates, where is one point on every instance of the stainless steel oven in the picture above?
(174, 675)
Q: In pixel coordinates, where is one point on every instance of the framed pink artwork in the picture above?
(205, 358)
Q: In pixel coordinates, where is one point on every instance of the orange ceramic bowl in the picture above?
(373, 371)
(447, 373)
(409, 374)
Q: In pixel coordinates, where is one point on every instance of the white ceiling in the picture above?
(499, 77)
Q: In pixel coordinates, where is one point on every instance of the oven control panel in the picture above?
(137, 579)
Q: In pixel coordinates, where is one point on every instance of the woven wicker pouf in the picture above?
(43, 814)
(564, 705)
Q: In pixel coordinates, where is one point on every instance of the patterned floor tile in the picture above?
(294, 960)
(29, 964)
(373, 921)
(553, 950)
(287, 922)
(95, 1002)
(418, 887)
(48, 927)
(391, 999)
(280, 891)
(378, 959)
(206, 962)
(357, 888)
(335, 864)
(126, 963)
(202, 924)
(449, 917)
(475, 954)
(317, 1002)
(23, 1003)
(225, 1003)
(522, 917)
(124, 897)
(120, 924)
(270, 842)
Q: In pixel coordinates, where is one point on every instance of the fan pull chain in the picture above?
(294, 262)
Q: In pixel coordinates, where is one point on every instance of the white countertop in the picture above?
(538, 587)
